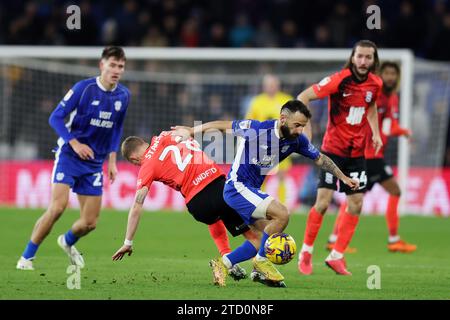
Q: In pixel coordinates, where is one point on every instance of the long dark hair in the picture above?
(366, 44)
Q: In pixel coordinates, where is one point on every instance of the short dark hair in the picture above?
(390, 64)
(114, 51)
(296, 106)
(129, 145)
(365, 44)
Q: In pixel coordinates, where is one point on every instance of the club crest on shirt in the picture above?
(118, 105)
(266, 161)
(284, 149)
(244, 124)
(59, 176)
(369, 95)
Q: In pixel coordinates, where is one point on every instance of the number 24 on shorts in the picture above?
(361, 177)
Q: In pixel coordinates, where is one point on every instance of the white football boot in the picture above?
(25, 264)
(74, 256)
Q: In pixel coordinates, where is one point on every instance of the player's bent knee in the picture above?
(284, 214)
(355, 207)
(89, 226)
(56, 210)
(284, 220)
(280, 214)
(396, 192)
(321, 207)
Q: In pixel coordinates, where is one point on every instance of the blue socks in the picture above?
(70, 238)
(242, 253)
(30, 250)
(261, 251)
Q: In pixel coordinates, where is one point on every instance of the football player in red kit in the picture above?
(377, 169)
(184, 167)
(352, 94)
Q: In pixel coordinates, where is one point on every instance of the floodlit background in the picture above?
(205, 60)
(173, 81)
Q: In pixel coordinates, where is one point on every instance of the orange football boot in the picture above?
(401, 246)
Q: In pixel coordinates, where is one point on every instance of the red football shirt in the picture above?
(388, 123)
(182, 166)
(348, 102)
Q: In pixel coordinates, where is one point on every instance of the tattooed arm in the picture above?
(325, 163)
(135, 212)
(133, 220)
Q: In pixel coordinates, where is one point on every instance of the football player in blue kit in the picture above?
(96, 108)
(260, 147)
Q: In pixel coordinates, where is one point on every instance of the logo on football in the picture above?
(280, 248)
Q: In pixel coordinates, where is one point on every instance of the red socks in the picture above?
(339, 217)
(392, 218)
(219, 234)
(312, 226)
(346, 229)
(392, 215)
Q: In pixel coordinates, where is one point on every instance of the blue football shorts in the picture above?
(83, 177)
(249, 202)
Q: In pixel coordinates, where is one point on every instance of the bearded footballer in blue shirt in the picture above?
(96, 108)
(261, 146)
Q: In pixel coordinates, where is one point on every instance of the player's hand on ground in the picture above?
(377, 143)
(352, 183)
(112, 172)
(122, 251)
(181, 132)
(82, 150)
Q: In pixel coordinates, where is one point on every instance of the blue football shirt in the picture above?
(260, 149)
(96, 117)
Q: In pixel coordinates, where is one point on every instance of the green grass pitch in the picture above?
(172, 251)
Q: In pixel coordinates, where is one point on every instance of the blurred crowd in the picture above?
(422, 25)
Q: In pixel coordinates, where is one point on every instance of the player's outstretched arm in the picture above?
(214, 125)
(325, 163)
(306, 96)
(133, 220)
(183, 131)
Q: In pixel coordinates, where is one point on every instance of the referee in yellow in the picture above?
(267, 106)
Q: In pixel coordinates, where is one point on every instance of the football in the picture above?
(280, 248)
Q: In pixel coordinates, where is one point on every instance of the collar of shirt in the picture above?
(277, 133)
(99, 84)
